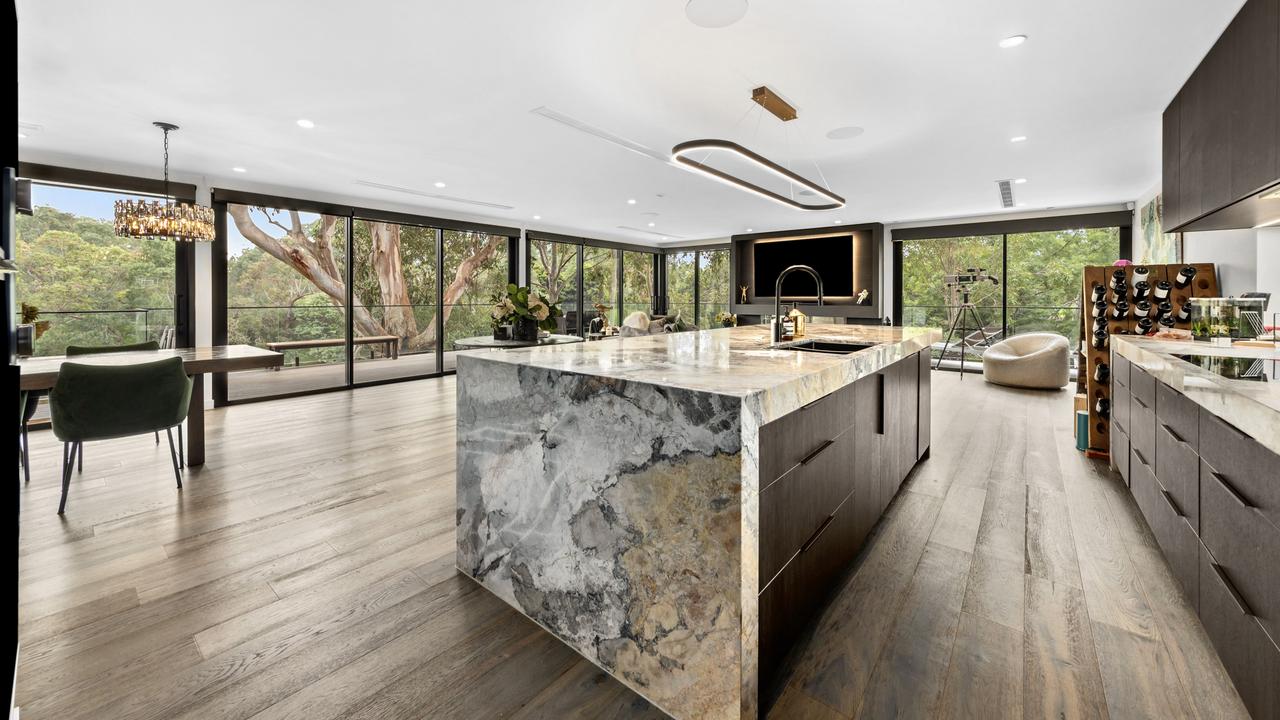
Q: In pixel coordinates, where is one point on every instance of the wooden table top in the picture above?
(40, 373)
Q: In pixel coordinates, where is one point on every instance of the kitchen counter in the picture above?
(611, 492)
(1250, 405)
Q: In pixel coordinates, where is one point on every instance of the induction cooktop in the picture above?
(1236, 368)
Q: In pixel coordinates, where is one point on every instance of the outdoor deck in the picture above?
(287, 380)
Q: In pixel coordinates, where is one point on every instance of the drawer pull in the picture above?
(1232, 491)
(1138, 454)
(1173, 434)
(1172, 505)
(1139, 401)
(816, 533)
(1231, 589)
(817, 451)
(808, 405)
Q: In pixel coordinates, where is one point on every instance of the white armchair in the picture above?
(1031, 360)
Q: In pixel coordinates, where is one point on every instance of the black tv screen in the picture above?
(832, 257)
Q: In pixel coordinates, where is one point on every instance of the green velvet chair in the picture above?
(102, 402)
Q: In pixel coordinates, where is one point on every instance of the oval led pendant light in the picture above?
(680, 153)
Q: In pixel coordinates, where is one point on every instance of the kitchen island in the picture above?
(673, 507)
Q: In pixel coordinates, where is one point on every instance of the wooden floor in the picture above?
(307, 572)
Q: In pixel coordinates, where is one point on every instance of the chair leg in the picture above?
(80, 457)
(157, 437)
(26, 454)
(173, 453)
(68, 462)
(182, 453)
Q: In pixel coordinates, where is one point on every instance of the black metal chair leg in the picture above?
(80, 457)
(68, 461)
(26, 454)
(182, 453)
(157, 437)
(173, 453)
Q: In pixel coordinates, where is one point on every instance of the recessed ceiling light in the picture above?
(22, 136)
(837, 221)
(1018, 138)
(1013, 41)
(439, 184)
(715, 13)
(844, 133)
(305, 123)
(537, 217)
(237, 169)
(1022, 204)
(664, 237)
(751, 229)
(652, 224)
(1019, 181)
(632, 201)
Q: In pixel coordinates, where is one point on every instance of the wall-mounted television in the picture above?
(834, 258)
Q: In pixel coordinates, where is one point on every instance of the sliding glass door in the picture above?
(1042, 287)
(553, 273)
(713, 286)
(638, 289)
(395, 306)
(475, 267)
(682, 268)
(600, 284)
(286, 291)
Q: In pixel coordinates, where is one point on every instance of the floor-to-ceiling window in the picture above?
(682, 267)
(286, 291)
(1013, 282)
(396, 308)
(79, 283)
(553, 273)
(475, 268)
(637, 282)
(714, 291)
(600, 283)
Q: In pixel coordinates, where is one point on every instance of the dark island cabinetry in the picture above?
(835, 465)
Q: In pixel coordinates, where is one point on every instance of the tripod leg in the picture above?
(950, 331)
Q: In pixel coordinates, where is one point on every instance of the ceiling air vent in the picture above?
(601, 133)
(1006, 193)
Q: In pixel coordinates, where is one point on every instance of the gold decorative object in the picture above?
(798, 320)
(742, 294)
(167, 218)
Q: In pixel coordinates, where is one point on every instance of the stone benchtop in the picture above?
(739, 362)
(1251, 406)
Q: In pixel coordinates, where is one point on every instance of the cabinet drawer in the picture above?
(1142, 431)
(1251, 469)
(1244, 543)
(789, 439)
(1119, 370)
(1251, 659)
(790, 602)
(1178, 470)
(1179, 413)
(1143, 386)
(796, 505)
(1120, 451)
(1120, 404)
(1174, 535)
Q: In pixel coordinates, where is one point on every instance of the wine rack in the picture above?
(1203, 284)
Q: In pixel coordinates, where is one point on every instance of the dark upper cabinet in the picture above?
(1221, 139)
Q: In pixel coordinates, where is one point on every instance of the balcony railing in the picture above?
(102, 327)
(1061, 319)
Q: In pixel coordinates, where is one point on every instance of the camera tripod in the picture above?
(960, 322)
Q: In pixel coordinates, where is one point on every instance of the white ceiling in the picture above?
(408, 94)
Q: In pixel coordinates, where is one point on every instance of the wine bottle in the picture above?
(1184, 312)
(1101, 373)
(1100, 309)
(1166, 321)
(1117, 278)
(1120, 310)
(1103, 408)
(1141, 309)
(1099, 292)
(1100, 339)
(1164, 309)
(1184, 276)
(1140, 274)
(1162, 290)
(1141, 290)
(1120, 293)
(1099, 322)
(1144, 326)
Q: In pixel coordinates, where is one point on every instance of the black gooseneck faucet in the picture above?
(777, 296)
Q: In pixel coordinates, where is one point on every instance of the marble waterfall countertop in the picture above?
(610, 492)
(1250, 405)
(740, 362)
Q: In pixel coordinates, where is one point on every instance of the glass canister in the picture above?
(1221, 320)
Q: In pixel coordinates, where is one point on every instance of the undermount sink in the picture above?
(829, 348)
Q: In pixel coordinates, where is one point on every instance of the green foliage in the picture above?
(71, 264)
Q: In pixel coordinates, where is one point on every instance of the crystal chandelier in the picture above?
(165, 218)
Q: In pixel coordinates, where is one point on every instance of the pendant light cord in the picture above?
(168, 204)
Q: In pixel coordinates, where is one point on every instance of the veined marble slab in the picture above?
(1251, 406)
(610, 491)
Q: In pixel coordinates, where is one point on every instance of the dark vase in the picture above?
(525, 329)
(502, 332)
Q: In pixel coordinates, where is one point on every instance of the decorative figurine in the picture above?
(742, 294)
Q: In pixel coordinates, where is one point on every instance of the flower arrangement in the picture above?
(517, 304)
(727, 319)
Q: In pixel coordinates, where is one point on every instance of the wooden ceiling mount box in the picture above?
(769, 100)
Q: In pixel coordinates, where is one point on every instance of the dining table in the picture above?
(41, 373)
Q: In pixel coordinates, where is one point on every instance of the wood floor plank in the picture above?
(984, 679)
(995, 590)
(1060, 672)
(1050, 546)
(1155, 692)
